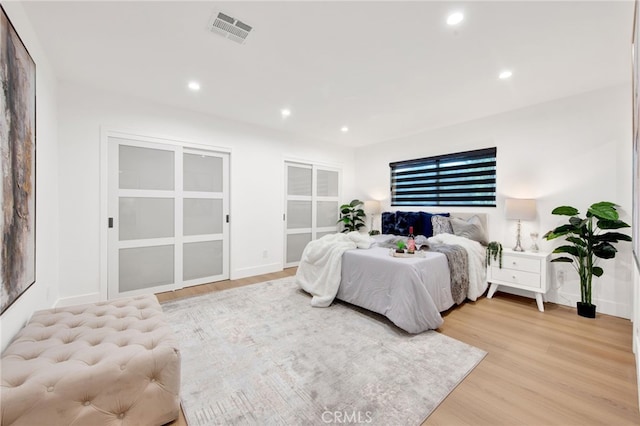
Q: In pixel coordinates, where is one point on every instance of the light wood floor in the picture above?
(551, 368)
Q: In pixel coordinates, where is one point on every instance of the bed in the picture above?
(411, 292)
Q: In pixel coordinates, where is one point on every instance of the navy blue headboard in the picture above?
(398, 222)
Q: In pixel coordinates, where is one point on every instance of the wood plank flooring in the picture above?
(542, 368)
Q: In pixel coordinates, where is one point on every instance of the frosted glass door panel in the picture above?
(168, 202)
(295, 245)
(145, 168)
(143, 218)
(202, 173)
(202, 260)
(202, 216)
(327, 213)
(298, 214)
(145, 267)
(311, 204)
(327, 183)
(299, 181)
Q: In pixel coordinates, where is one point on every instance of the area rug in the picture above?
(262, 355)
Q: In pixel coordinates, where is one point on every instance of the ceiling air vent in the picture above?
(229, 27)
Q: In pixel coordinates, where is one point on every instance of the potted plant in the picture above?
(352, 216)
(494, 251)
(401, 245)
(590, 239)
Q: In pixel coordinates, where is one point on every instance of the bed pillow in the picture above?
(388, 223)
(404, 220)
(426, 224)
(471, 228)
(441, 225)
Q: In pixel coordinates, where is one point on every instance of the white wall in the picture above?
(636, 322)
(573, 151)
(44, 292)
(257, 179)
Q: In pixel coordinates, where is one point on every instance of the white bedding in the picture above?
(477, 269)
(411, 292)
(319, 269)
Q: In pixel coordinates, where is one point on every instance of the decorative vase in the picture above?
(586, 310)
(534, 242)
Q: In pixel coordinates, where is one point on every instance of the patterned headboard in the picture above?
(398, 222)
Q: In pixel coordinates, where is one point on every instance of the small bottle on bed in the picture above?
(411, 242)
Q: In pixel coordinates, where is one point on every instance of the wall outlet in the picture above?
(265, 254)
(560, 277)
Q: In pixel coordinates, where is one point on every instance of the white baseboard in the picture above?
(567, 299)
(255, 270)
(604, 306)
(78, 300)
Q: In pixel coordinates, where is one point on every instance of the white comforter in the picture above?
(477, 272)
(319, 271)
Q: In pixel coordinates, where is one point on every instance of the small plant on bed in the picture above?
(352, 216)
(494, 251)
(400, 245)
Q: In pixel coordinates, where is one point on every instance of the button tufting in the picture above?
(66, 342)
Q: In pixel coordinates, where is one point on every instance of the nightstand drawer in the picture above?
(519, 263)
(511, 276)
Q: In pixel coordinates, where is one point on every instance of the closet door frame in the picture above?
(185, 146)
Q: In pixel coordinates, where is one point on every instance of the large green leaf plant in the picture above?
(590, 239)
(352, 216)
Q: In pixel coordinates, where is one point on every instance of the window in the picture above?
(460, 179)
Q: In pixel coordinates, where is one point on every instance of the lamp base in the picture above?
(518, 246)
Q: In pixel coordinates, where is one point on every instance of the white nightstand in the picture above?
(525, 270)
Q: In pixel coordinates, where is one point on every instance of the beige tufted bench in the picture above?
(109, 363)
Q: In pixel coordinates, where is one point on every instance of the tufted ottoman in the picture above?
(109, 363)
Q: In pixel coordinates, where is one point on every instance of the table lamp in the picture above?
(374, 208)
(519, 209)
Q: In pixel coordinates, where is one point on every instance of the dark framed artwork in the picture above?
(17, 164)
(636, 134)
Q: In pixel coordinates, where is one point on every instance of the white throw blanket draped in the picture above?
(320, 269)
(476, 252)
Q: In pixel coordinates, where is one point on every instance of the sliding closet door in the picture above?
(327, 201)
(205, 229)
(312, 202)
(168, 210)
(299, 206)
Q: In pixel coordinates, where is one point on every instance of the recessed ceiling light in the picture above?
(505, 74)
(455, 18)
(194, 85)
(285, 112)
(344, 129)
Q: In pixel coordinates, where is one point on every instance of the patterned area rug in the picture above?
(261, 355)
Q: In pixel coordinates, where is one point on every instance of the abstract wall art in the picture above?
(17, 164)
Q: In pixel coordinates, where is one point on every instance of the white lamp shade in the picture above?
(373, 207)
(520, 209)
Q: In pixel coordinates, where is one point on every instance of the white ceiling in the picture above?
(384, 69)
